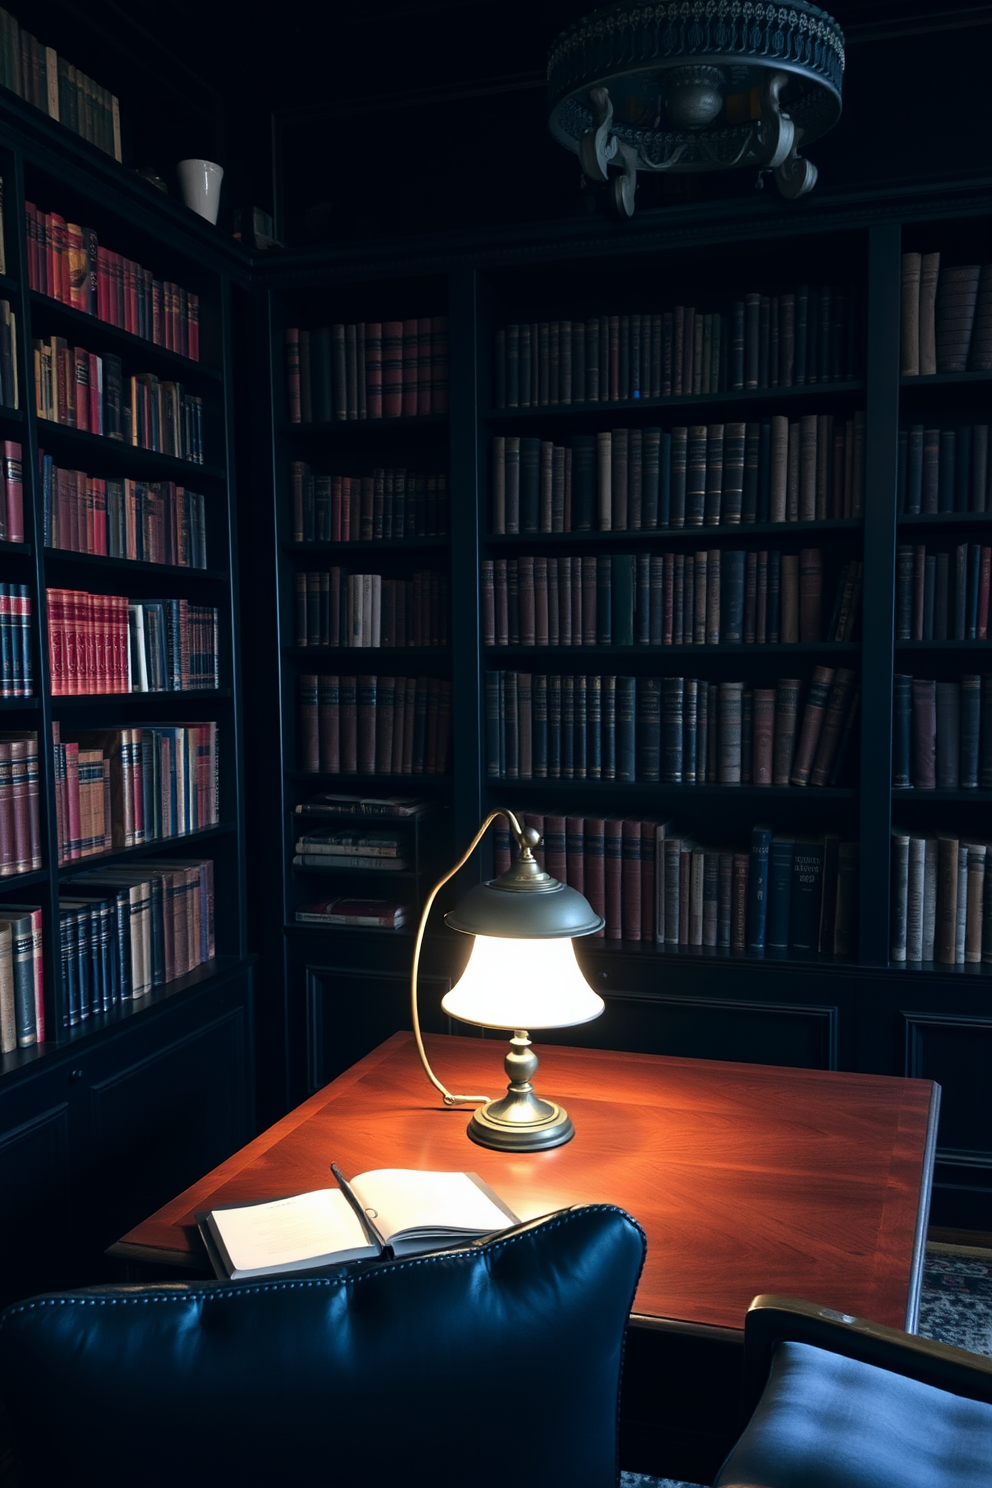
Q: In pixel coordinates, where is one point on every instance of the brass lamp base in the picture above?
(520, 1121)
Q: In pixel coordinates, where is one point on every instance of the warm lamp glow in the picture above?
(522, 984)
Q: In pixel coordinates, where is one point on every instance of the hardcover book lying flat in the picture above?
(396, 1212)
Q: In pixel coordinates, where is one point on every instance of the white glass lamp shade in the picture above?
(525, 984)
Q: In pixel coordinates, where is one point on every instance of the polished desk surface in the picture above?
(746, 1178)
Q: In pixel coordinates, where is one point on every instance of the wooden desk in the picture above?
(746, 1178)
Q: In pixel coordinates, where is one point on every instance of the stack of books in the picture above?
(145, 521)
(943, 595)
(942, 733)
(946, 316)
(944, 470)
(374, 725)
(388, 503)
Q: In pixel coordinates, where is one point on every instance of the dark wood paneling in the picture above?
(349, 1011)
(956, 1052)
(36, 1215)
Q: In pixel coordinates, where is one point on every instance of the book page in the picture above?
(401, 1200)
(293, 1231)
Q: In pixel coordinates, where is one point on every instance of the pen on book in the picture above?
(355, 1203)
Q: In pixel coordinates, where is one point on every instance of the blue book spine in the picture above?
(672, 691)
(625, 729)
(757, 889)
(539, 723)
(765, 468)
(648, 727)
(779, 893)
(665, 481)
(690, 727)
(594, 728)
(568, 727)
(971, 709)
(623, 599)
(491, 693)
(902, 724)
(554, 727)
(650, 473)
(946, 471)
(962, 470)
(608, 733)
(732, 596)
(604, 600)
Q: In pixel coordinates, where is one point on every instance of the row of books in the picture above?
(338, 608)
(946, 316)
(944, 470)
(941, 899)
(944, 595)
(38, 74)
(68, 263)
(387, 503)
(122, 787)
(700, 475)
(22, 977)
(765, 341)
(104, 643)
(942, 733)
(373, 369)
(16, 653)
(652, 881)
(11, 492)
(20, 817)
(710, 597)
(673, 730)
(146, 521)
(365, 851)
(9, 392)
(362, 813)
(80, 390)
(374, 725)
(125, 931)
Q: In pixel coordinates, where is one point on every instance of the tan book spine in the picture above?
(911, 264)
(713, 597)
(790, 598)
(977, 853)
(779, 474)
(794, 472)
(764, 734)
(947, 898)
(812, 725)
(929, 272)
(786, 713)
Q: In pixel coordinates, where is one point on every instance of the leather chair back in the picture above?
(475, 1367)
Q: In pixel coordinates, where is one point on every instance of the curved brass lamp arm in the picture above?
(449, 1099)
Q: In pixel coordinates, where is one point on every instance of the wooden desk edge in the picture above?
(159, 1255)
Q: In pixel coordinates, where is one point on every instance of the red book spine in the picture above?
(293, 375)
(8, 862)
(102, 281)
(555, 852)
(613, 872)
(56, 641)
(982, 630)
(193, 320)
(14, 483)
(631, 880)
(439, 364)
(373, 369)
(120, 293)
(392, 368)
(37, 957)
(410, 368)
(30, 233)
(158, 313)
(73, 847)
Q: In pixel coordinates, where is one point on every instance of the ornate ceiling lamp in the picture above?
(696, 85)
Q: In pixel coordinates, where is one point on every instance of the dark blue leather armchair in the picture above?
(839, 1402)
(473, 1367)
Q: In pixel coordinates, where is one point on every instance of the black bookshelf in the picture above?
(163, 1085)
(855, 1011)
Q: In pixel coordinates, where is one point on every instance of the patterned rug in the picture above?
(956, 1307)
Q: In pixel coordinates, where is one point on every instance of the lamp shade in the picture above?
(510, 908)
(517, 983)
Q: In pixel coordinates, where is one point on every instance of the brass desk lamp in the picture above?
(521, 975)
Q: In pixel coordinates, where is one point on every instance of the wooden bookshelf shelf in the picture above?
(547, 654)
(356, 428)
(743, 531)
(732, 398)
(99, 335)
(113, 455)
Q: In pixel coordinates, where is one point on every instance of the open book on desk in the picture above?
(393, 1211)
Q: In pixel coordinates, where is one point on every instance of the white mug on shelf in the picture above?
(199, 181)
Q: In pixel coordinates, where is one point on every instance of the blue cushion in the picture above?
(825, 1421)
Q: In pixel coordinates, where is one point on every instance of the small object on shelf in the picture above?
(199, 182)
(150, 174)
(373, 914)
(332, 803)
(254, 228)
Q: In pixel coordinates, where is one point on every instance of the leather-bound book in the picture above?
(309, 739)
(947, 899)
(613, 873)
(948, 735)
(970, 725)
(810, 594)
(923, 763)
(902, 714)
(929, 273)
(786, 717)
(899, 895)
(594, 886)
(695, 481)
(752, 340)
(980, 351)
(811, 731)
(790, 598)
(679, 459)
(392, 368)
(631, 895)
(730, 697)
(911, 264)
(764, 734)
(713, 498)
(957, 295)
